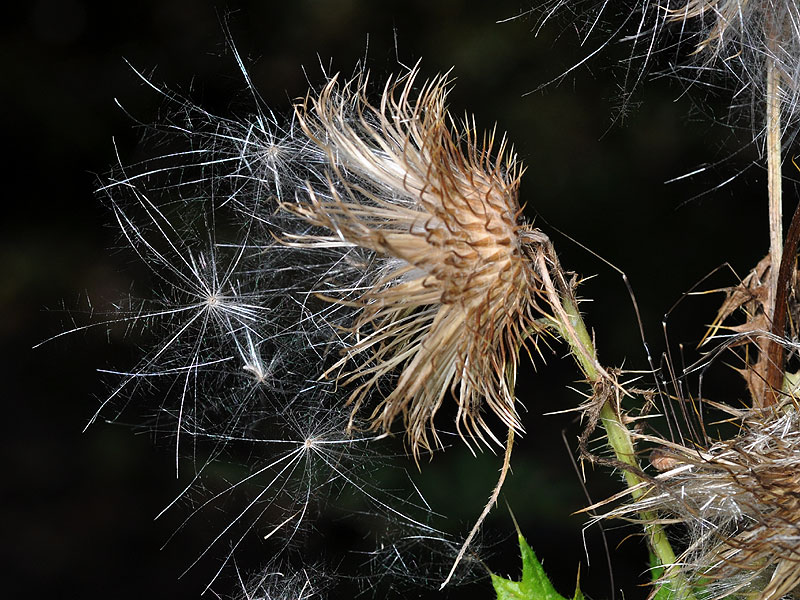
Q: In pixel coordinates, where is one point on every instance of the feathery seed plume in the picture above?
(748, 38)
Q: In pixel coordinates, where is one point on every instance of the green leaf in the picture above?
(534, 584)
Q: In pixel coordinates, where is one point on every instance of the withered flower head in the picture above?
(456, 293)
(740, 502)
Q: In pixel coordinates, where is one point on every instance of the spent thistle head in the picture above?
(455, 291)
(738, 500)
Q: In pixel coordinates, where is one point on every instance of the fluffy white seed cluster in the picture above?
(741, 41)
(706, 44)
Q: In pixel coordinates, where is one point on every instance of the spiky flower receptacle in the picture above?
(455, 292)
(740, 504)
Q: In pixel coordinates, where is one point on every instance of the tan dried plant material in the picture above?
(757, 41)
(749, 300)
(757, 334)
(457, 294)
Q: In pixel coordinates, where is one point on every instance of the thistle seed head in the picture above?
(454, 293)
(740, 502)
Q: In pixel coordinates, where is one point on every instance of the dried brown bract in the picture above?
(745, 315)
(749, 302)
(457, 292)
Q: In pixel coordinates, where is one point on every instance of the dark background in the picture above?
(77, 508)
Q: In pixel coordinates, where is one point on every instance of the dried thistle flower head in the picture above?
(739, 500)
(456, 292)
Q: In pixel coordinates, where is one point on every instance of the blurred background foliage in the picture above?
(78, 508)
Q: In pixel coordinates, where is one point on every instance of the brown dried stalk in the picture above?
(776, 350)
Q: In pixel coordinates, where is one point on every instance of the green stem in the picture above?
(619, 438)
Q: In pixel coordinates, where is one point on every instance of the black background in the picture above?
(78, 508)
